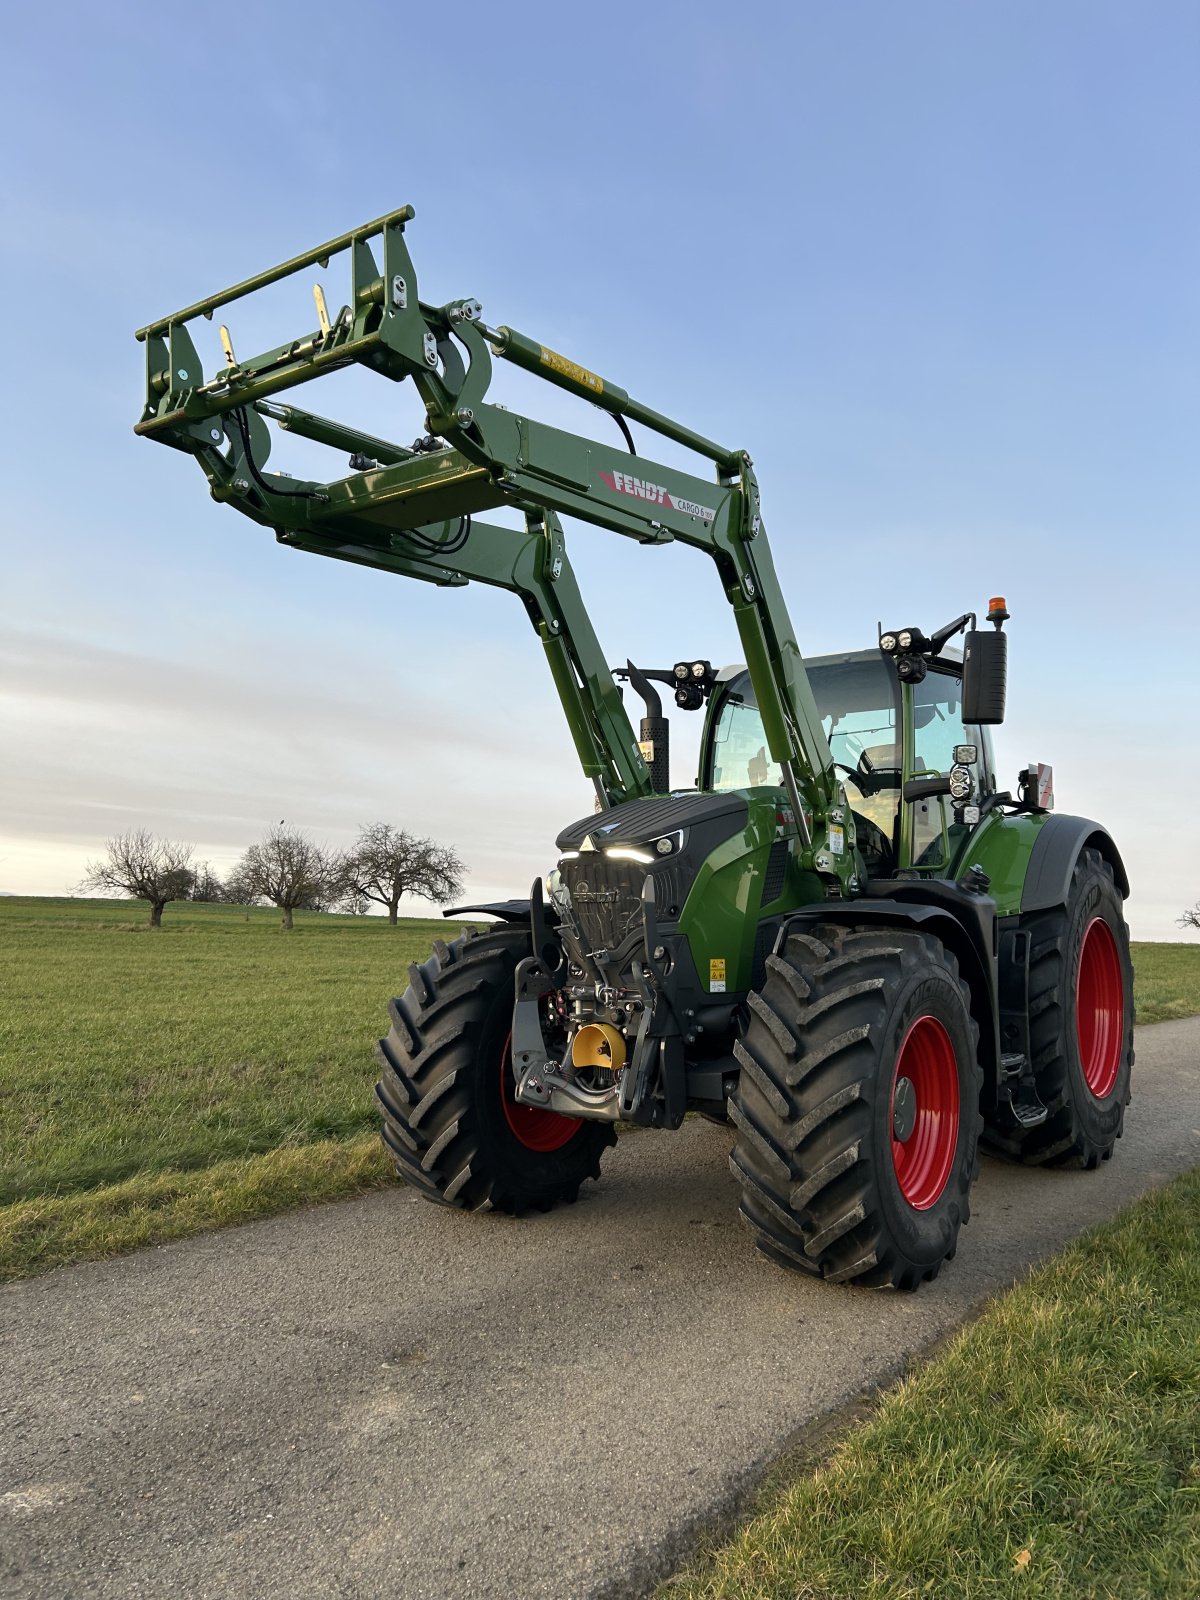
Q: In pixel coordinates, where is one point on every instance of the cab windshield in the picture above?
(858, 702)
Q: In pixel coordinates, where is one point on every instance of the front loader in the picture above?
(847, 941)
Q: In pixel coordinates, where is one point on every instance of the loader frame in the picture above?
(414, 511)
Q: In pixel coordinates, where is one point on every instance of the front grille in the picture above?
(606, 898)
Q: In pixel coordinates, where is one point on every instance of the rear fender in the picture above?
(1057, 848)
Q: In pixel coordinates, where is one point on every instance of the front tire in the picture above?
(451, 1122)
(857, 1106)
(1080, 1023)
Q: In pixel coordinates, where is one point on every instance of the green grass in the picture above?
(1052, 1450)
(1166, 981)
(155, 1083)
(151, 1208)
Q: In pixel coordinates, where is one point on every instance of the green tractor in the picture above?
(847, 941)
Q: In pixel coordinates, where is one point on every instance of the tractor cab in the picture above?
(884, 734)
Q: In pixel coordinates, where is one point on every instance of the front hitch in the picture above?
(541, 1080)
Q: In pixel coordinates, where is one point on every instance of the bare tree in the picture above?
(206, 885)
(1190, 919)
(353, 903)
(386, 863)
(290, 871)
(147, 868)
(237, 890)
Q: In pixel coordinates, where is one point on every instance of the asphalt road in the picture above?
(380, 1398)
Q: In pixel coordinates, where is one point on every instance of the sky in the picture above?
(935, 265)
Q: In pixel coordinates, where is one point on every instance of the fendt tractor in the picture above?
(847, 941)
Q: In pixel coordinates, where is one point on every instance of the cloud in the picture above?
(97, 739)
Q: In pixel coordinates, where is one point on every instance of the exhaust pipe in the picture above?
(655, 733)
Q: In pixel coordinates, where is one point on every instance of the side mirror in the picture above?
(985, 675)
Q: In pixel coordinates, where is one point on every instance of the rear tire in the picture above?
(1080, 1023)
(451, 1122)
(857, 1106)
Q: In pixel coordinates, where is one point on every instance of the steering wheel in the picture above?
(866, 777)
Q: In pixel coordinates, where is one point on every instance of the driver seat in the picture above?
(879, 857)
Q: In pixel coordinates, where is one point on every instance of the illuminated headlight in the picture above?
(626, 852)
(887, 641)
(904, 639)
(663, 846)
(697, 669)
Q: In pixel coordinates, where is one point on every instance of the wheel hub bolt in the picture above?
(904, 1110)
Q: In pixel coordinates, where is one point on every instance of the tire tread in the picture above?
(806, 1097)
(432, 1128)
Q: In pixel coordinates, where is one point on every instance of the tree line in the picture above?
(287, 869)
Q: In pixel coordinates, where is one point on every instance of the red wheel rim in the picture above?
(1099, 1008)
(924, 1158)
(538, 1130)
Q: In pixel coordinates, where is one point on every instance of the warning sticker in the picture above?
(571, 369)
(716, 975)
(837, 839)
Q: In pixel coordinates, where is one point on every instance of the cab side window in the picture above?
(937, 728)
(938, 723)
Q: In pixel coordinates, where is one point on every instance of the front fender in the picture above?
(965, 924)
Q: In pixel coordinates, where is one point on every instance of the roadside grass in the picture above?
(156, 1082)
(1166, 981)
(153, 1083)
(151, 1208)
(1051, 1450)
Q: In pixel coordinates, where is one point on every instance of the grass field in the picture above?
(1052, 1450)
(1166, 981)
(155, 1083)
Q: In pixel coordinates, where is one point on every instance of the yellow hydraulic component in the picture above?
(227, 346)
(598, 1045)
(322, 309)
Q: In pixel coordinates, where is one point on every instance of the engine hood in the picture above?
(639, 820)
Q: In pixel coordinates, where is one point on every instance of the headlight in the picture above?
(626, 852)
(904, 640)
(887, 641)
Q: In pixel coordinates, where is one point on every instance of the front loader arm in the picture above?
(412, 511)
